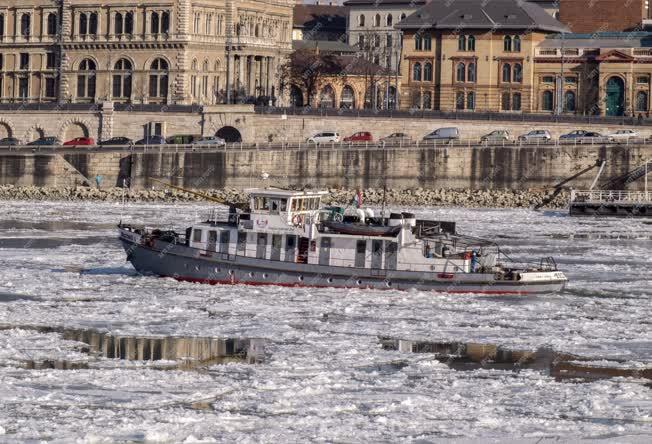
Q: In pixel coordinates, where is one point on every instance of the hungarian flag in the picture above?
(357, 199)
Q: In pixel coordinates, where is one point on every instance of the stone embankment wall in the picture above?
(412, 197)
(475, 168)
(102, 122)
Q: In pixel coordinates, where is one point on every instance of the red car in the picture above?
(362, 136)
(80, 141)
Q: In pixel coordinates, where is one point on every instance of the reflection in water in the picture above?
(563, 366)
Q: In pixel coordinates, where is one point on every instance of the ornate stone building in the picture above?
(163, 51)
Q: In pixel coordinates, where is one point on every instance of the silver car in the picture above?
(496, 136)
(396, 138)
(535, 136)
(324, 137)
(210, 140)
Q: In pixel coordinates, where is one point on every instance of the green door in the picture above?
(615, 97)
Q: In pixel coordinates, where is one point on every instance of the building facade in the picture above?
(469, 56)
(372, 28)
(584, 16)
(164, 52)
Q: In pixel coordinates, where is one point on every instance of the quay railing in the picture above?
(335, 146)
(611, 197)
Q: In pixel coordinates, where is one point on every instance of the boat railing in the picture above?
(610, 196)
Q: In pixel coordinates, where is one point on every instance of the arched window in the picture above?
(377, 21)
(121, 87)
(516, 102)
(390, 20)
(296, 96)
(418, 42)
(403, 16)
(205, 66)
(461, 43)
(154, 23)
(416, 99)
(52, 24)
(83, 24)
(507, 72)
(517, 43)
(361, 41)
(470, 72)
(461, 72)
(470, 43)
(427, 100)
(193, 65)
(86, 79)
(327, 97)
(257, 30)
(377, 41)
(92, 24)
(2, 24)
(569, 101)
(641, 101)
(546, 101)
(129, 23)
(427, 42)
(118, 26)
(158, 79)
(361, 20)
(347, 100)
(470, 100)
(518, 72)
(165, 22)
(504, 102)
(427, 72)
(25, 25)
(416, 72)
(459, 100)
(507, 44)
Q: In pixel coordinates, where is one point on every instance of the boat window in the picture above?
(284, 204)
(360, 253)
(265, 203)
(325, 251)
(274, 206)
(302, 204)
(294, 205)
(261, 247)
(242, 243)
(196, 235)
(225, 239)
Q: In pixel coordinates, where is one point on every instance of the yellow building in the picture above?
(473, 56)
(166, 52)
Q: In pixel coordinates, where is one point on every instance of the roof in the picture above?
(384, 2)
(474, 14)
(322, 17)
(335, 46)
(278, 192)
(599, 40)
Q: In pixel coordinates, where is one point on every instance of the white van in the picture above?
(324, 137)
(443, 134)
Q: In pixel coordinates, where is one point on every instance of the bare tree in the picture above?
(305, 68)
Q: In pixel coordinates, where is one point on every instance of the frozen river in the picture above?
(325, 375)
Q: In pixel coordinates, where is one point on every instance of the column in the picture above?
(252, 76)
(268, 63)
(241, 72)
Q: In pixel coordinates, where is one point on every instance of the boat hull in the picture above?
(192, 265)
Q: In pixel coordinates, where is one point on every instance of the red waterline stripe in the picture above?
(298, 285)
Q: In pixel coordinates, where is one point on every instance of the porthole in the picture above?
(388, 283)
(251, 274)
(231, 272)
(359, 282)
(265, 275)
(300, 278)
(217, 270)
(329, 280)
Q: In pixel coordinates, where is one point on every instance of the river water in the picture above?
(325, 374)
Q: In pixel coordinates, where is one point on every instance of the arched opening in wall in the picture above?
(615, 100)
(5, 130)
(347, 100)
(230, 134)
(75, 130)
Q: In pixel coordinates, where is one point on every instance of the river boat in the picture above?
(287, 238)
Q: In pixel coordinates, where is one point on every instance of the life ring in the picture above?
(297, 220)
(337, 217)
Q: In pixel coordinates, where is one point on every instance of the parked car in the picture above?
(361, 136)
(536, 136)
(623, 135)
(80, 141)
(582, 136)
(496, 136)
(210, 140)
(117, 141)
(444, 134)
(45, 141)
(182, 139)
(9, 141)
(324, 137)
(152, 140)
(396, 138)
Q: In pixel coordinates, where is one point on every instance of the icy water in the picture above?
(325, 375)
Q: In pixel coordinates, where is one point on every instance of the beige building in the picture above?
(161, 52)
